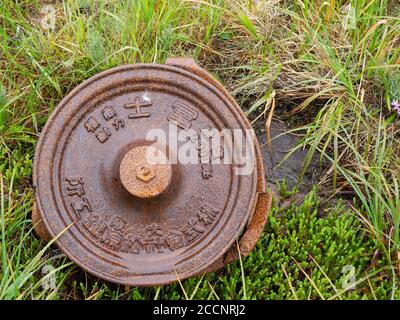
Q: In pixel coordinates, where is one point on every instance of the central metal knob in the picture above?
(145, 172)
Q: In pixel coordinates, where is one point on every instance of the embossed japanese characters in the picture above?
(126, 219)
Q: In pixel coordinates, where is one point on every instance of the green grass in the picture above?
(290, 59)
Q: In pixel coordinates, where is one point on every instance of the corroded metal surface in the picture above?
(141, 178)
(38, 224)
(133, 222)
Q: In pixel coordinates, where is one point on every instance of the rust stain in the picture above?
(38, 224)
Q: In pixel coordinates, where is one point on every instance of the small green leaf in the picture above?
(246, 22)
(226, 35)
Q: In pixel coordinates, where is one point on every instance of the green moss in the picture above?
(326, 244)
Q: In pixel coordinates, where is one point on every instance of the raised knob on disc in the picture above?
(145, 172)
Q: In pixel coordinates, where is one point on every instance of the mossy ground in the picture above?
(306, 252)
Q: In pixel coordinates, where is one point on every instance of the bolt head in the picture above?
(145, 173)
(141, 177)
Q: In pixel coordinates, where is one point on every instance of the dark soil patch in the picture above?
(290, 170)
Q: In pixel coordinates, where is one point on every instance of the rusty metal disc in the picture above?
(119, 217)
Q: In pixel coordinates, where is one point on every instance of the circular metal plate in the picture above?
(102, 226)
